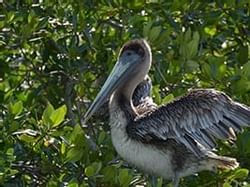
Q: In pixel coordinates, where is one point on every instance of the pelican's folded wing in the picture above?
(194, 120)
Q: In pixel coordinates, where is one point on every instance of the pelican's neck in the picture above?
(121, 107)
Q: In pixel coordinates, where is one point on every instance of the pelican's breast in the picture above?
(143, 156)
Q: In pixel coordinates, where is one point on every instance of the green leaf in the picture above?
(109, 173)
(188, 35)
(124, 177)
(241, 86)
(210, 30)
(246, 70)
(76, 133)
(189, 43)
(74, 154)
(10, 151)
(159, 182)
(93, 169)
(154, 33)
(193, 46)
(163, 37)
(241, 173)
(226, 184)
(168, 99)
(97, 166)
(196, 37)
(206, 70)
(89, 171)
(156, 94)
(101, 137)
(63, 148)
(47, 113)
(192, 65)
(73, 184)
(27, 138)
(242, 55)
(16, 108)
(58, 115)
(243, 143)
(146, 29)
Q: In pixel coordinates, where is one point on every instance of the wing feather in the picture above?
(194, 120)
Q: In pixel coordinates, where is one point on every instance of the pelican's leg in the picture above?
(153, 180)
(176, 181)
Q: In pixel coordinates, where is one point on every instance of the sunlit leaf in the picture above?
(241, 173)
(58, 115)
(63, 148)
(210, 30)
(16, 108)
(27, 138)
(168, 99)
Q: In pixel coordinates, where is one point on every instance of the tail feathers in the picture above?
(224, 162)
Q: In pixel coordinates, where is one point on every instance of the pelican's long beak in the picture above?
(118, 75)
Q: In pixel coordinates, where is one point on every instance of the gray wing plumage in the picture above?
(194, 120)
(141, 97)
(142, 91)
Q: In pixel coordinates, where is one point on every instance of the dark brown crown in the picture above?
(137, 45)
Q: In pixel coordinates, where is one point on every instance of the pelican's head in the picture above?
(132, 66)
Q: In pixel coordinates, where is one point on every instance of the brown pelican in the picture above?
(173, 140)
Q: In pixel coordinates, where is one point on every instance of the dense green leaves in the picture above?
(54, 58)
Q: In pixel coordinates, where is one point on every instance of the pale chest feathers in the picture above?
(143, 156)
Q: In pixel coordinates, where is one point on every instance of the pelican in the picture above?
(141, 97)
(173, 140)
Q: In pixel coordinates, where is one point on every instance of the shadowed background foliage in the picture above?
(55, 55)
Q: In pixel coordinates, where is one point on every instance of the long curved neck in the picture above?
(121, 107)
(123, 100)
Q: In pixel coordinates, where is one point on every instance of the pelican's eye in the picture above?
(129, 53)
